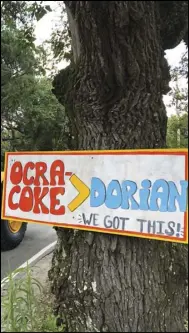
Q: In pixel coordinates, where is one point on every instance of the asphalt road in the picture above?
(36, 238)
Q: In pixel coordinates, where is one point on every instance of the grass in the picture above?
(25, 307)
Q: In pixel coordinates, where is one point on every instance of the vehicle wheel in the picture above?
(12, 233)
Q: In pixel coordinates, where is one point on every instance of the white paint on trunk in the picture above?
(94, 286)
(75, 41)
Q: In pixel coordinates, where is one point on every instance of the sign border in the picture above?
(178, 152)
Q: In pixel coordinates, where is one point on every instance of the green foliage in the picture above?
(23, 308)
(60, 40)
(179, 91)
(21, 61)
(43, 118)
(22, 12)
(181, 71)
(31, 117)
(5, 146)
(60, 43)
(177, 131)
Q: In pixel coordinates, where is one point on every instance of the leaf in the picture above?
(40, 13)
(48, 8)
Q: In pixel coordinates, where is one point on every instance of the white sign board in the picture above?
(139, 193)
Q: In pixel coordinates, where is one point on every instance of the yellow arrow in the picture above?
(83, 190)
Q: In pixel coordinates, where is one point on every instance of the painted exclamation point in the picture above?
(178, 230)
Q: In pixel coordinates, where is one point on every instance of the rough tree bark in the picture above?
(113, 97)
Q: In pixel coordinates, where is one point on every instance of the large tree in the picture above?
(112, 92)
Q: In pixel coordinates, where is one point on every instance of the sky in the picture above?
(45, 26)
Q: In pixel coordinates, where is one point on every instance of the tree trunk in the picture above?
(113, 97)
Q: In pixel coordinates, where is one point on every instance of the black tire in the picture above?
(10, 240)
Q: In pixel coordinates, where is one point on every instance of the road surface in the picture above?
(36, 238)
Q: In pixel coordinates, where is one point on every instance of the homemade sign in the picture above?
(141, 193)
